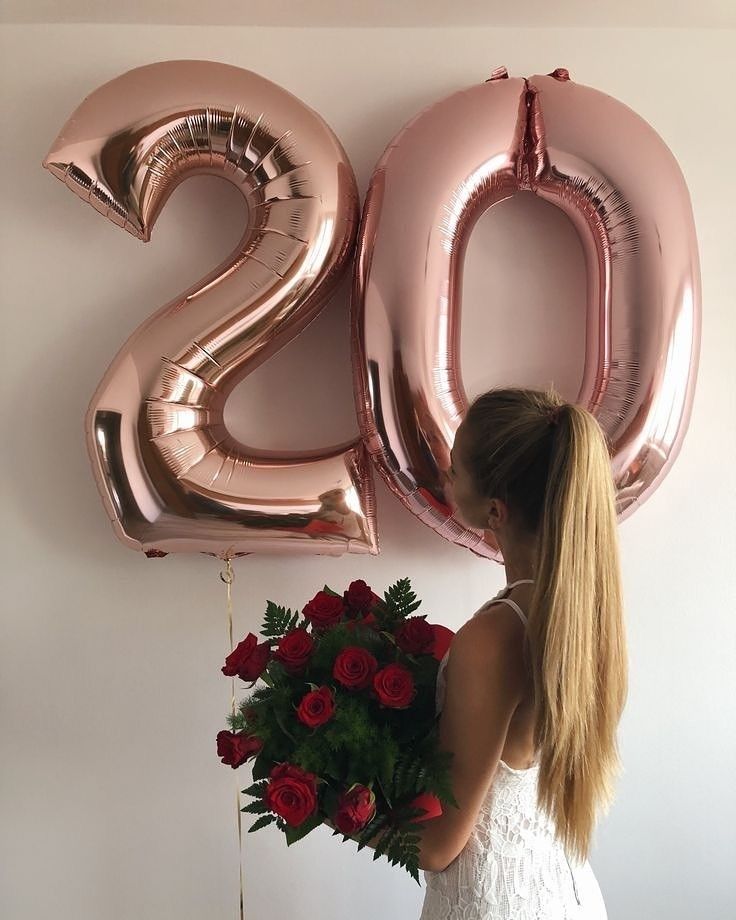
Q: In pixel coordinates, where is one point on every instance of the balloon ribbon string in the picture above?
(228, 576)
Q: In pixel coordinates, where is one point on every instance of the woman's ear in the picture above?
(496, 513)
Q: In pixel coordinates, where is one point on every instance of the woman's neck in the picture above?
(519, 561)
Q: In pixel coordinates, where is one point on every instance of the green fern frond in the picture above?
(261, 822)
(256, 807)
(400, 600)
(278, 620)
(258, 788)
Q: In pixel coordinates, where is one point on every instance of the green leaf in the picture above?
(382, 787)
(257, 807)
(278, 620)
(261, 767)
(400, 601)
(261, 822)
(400, 846)
(282, 726)
(296, 833)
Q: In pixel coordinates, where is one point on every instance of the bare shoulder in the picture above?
(491, 643)
(498, 626)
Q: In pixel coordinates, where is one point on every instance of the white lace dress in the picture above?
(512, 867)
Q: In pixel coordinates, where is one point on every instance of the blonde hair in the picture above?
(556, 479)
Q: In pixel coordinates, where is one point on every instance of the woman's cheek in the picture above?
(458, 500)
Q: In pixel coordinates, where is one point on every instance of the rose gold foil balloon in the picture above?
(621, 187)
(170, 475)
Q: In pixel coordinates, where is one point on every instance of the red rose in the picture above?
(316, 707)
(416, 636)
(234, 748)
(291, 793)
(359, 596)
(367, 620)
(355, 809)
(394, 686)
(354, 667)
(294, 649)
(324, 610)
(430, 803)
(248, 659)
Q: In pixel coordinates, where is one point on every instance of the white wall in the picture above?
(114, 804)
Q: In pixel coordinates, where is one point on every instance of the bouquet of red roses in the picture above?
(345, 730)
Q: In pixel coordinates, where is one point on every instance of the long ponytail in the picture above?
(577, 632)
(558, 477)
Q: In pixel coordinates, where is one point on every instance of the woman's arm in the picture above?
(484, 687)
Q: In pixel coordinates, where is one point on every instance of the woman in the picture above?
(534, 683)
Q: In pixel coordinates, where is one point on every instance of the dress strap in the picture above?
(507, 600)
(513, 604)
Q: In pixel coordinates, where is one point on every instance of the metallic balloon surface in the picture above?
(170, 475)
(622, 189)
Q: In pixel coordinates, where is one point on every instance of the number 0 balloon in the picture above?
(170, 475)
(619, 184)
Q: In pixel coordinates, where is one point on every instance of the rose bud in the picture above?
(356, 808)
(234, 748)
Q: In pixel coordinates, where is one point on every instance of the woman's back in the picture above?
(513, 867)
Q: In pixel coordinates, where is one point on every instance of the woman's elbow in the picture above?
(433, 862)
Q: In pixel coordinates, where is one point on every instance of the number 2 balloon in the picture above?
(169, 473)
